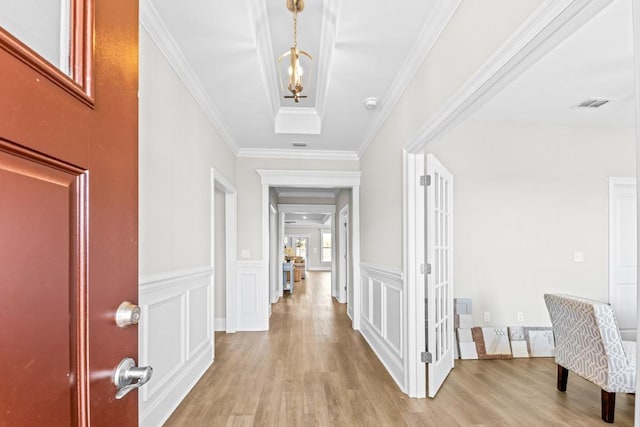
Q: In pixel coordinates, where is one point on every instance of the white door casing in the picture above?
(316, 179)
(274, 256)
(343, 256)
(230, 212)
(623, 254)
(439, 277)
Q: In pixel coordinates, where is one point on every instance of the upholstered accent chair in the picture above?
(588, 343)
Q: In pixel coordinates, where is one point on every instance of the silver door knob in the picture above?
(127, 314)
(126, 373)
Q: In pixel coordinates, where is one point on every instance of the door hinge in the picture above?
(425, 268)
(425, 180)
(426, 357)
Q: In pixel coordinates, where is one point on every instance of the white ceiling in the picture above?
(299, 219)
(361, 49)
(594, 62)
(226, 54)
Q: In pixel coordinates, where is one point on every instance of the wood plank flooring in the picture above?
(311, 368)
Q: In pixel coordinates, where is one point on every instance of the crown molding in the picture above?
(433, 28)
(299, 154)
(548, 26)
(161, 36)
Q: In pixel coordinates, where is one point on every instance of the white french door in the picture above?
(439, 273)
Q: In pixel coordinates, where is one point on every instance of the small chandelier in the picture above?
(295, 71)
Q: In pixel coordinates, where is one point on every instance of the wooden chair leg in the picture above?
(608, 406)
(563, 374)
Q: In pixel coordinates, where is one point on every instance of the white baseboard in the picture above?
(164, 405)
(220, 324)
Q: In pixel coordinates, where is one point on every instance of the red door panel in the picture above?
(68, 224)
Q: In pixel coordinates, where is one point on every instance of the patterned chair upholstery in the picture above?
(588, 343)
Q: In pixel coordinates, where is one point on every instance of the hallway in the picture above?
(311, 368)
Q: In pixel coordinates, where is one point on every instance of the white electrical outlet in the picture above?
(487, 316)
(578, 256)
(520, 316)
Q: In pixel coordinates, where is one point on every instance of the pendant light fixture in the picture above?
(293, 74)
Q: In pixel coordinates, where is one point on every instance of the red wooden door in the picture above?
(68, 221)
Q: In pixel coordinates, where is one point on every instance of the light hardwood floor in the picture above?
(311, 368)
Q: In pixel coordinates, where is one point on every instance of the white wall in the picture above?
(476, 30)
(178, 148)
(525, 200)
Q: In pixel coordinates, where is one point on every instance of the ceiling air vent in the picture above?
(299, 144)
(592, 103)
(289, 222)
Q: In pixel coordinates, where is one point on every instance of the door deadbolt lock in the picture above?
(127, 314)
(126, 373)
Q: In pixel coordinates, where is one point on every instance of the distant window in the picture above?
(325, 256)
(301, 247)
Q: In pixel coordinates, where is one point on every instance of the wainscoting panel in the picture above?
(382, 321)
(175, 338)
(253, 303)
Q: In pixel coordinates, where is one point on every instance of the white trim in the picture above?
(220, 324)
(340, 179)
(218, 180)
(636, 50)
(264, 50)
(355, 255)
(297, 154)
(413, 207)
(307, 178)
(158, 281)
(152, 22)
(330, 16)
(434, 25)
(159, 398)
(549, 25)
(286, 193)
(307, 209)
(253, 290)
(310, 225)
(168, 401)
(391, 354)
(281, 234)
(322, 233)
(343, 251)
(381, 271)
